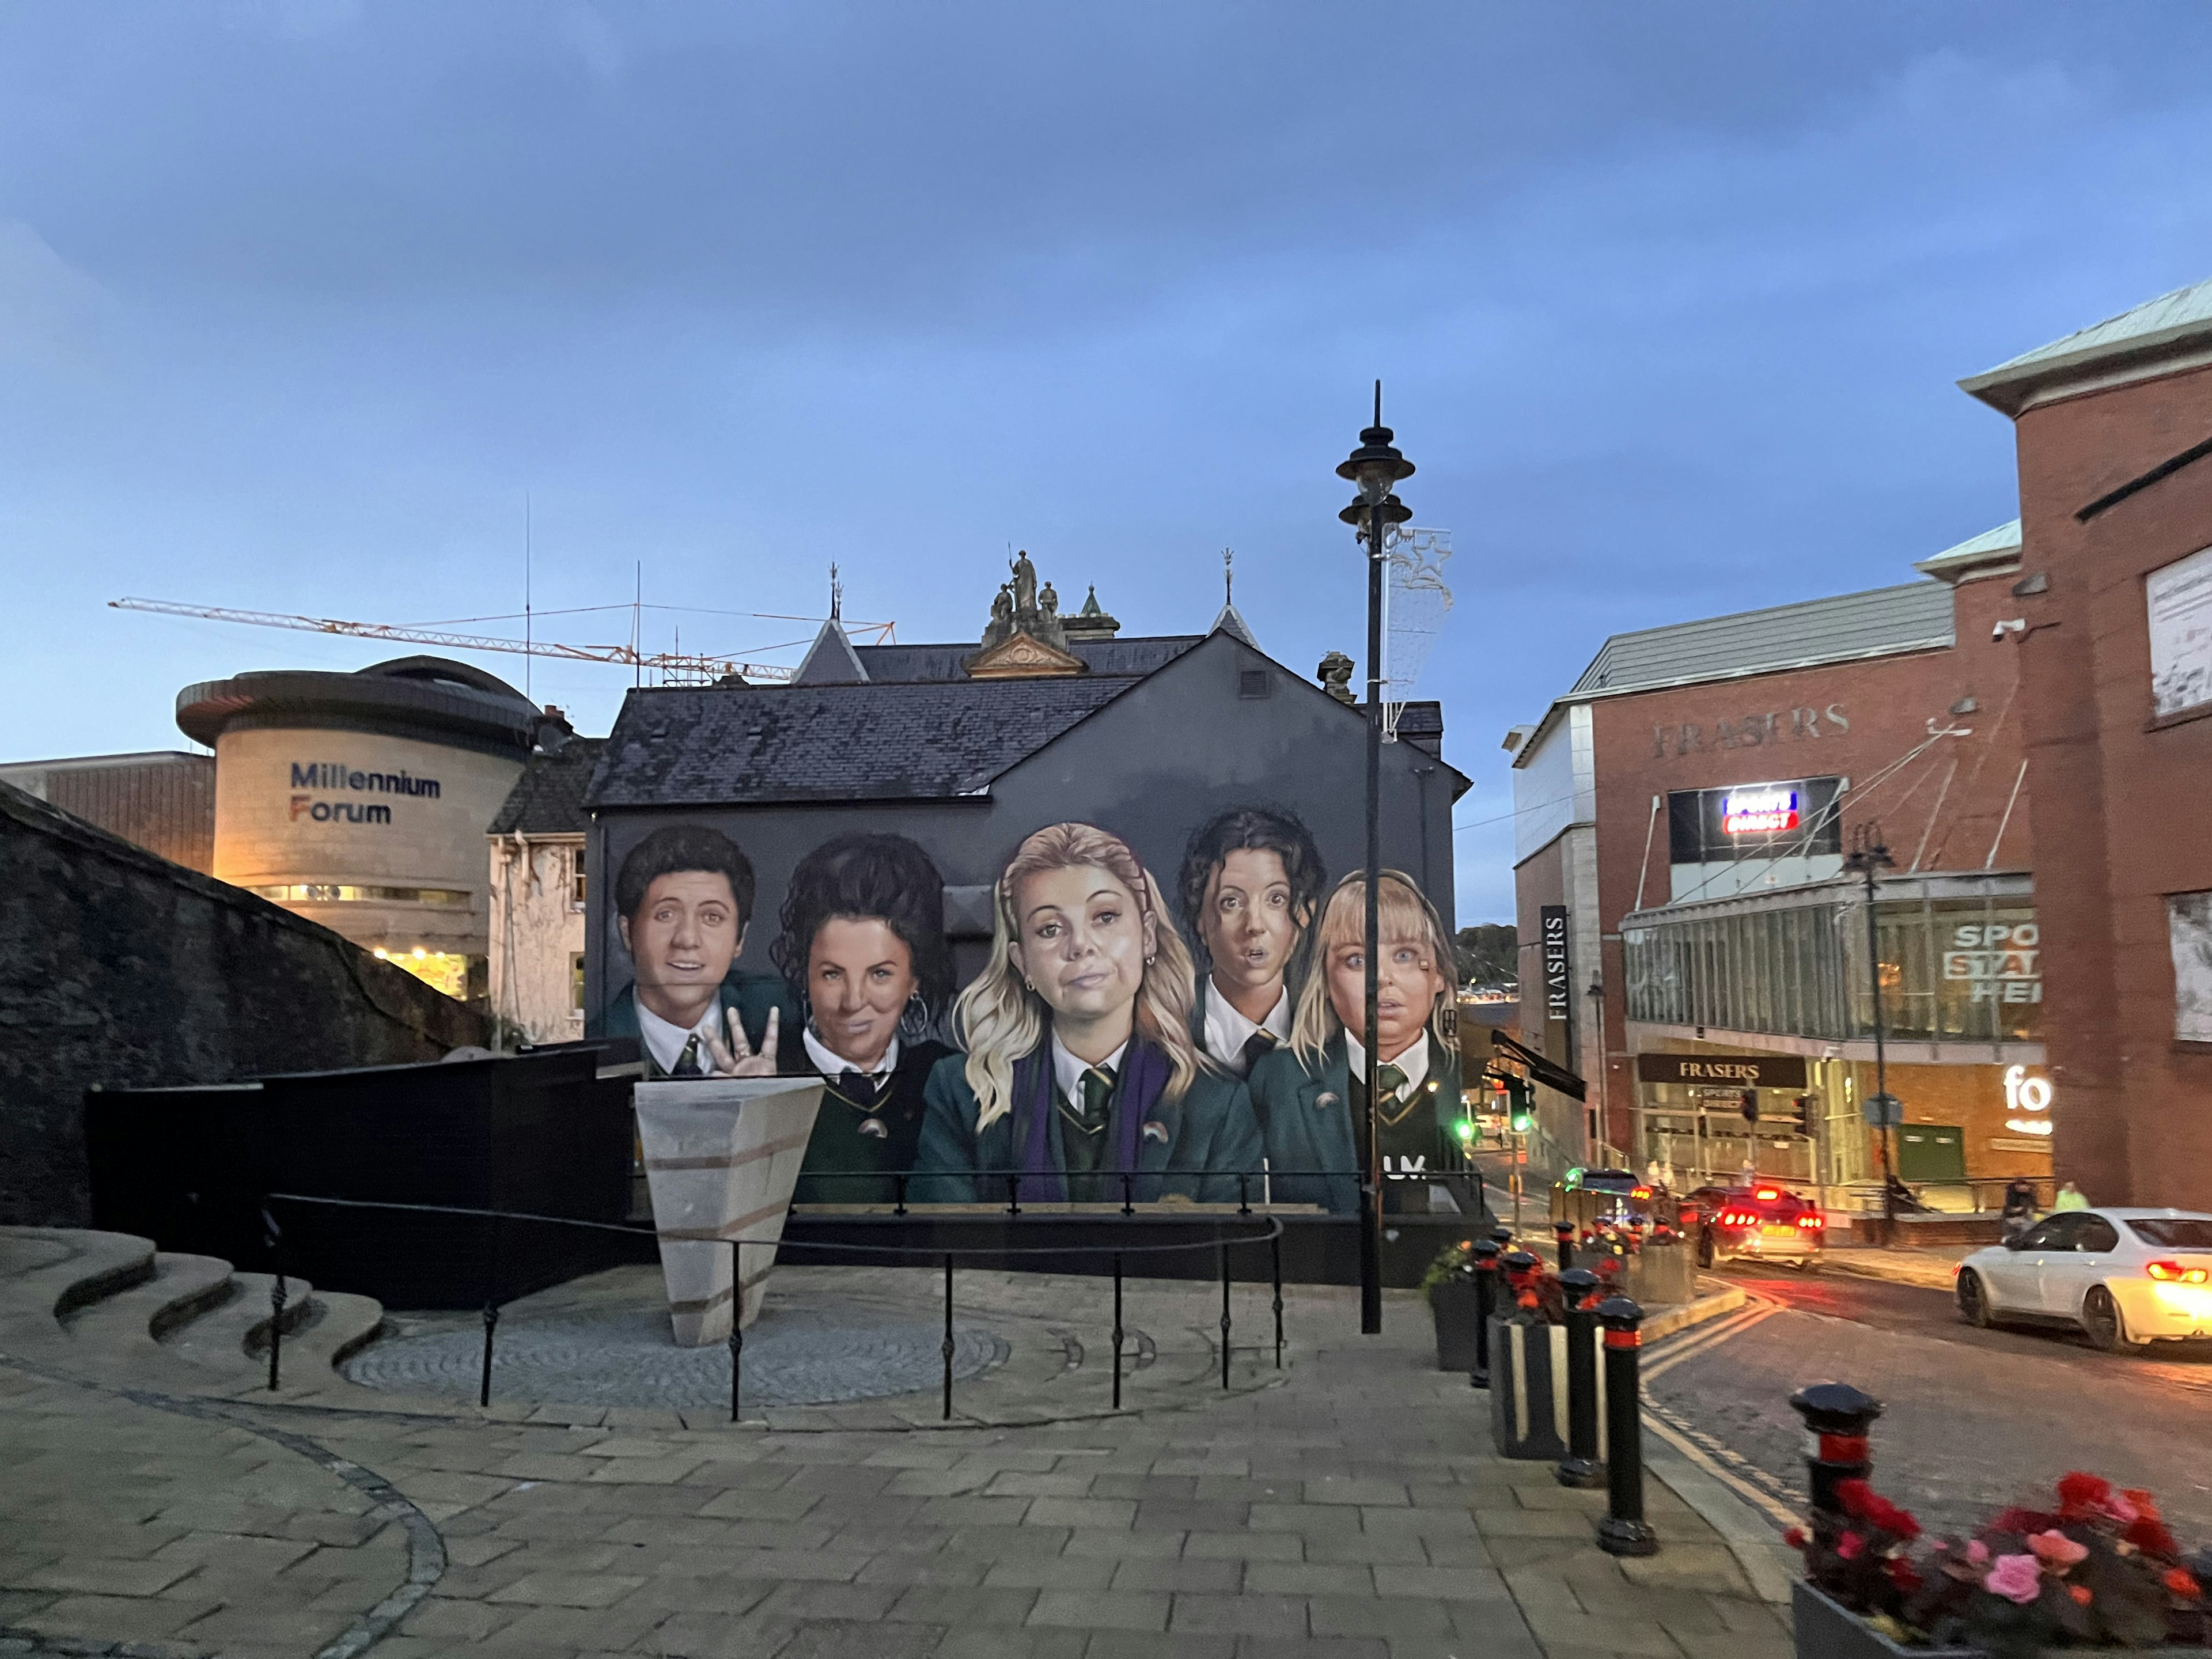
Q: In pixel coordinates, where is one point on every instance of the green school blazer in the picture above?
(1305, 1121)
(1193, 1148)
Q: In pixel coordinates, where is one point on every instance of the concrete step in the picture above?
(46, 1272)
(234, 1333)
(337, 1325)
(180, 1288)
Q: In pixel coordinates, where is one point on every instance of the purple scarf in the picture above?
(1142, 1080)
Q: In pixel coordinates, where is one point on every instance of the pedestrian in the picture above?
(2071, 1197)
(2019, 1207)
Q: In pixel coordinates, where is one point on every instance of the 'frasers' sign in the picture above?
(1762, 811)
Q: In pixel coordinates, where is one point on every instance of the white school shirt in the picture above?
(832, 1065)
(1067, 1071)
(1227, 1030)
(1415, 1062)
(667, 1039)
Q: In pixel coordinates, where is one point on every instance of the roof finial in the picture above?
(836, 595)
(1378, 403)
(1228, 576)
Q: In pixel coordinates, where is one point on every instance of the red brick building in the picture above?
(2111, 621)
(1690, 942)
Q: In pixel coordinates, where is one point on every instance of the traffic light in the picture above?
(1519, 1105)
(1751, 1106)
(1808, 1110)
(1468, 1131)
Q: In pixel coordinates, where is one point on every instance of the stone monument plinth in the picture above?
(722, 1158)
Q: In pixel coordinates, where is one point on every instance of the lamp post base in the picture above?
(1618, 1537)
(1582, 1473)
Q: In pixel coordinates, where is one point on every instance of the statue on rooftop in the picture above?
(1025, 585)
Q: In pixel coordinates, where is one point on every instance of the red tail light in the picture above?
(1766, 1193)
(1641, 1192)
(2174, 1272)
(1813, 1222)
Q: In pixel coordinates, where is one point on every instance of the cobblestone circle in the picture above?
(625, 1357)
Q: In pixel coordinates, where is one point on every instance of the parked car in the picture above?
(2128, 1278)
(1762, 1222)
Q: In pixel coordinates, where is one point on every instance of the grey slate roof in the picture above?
(910, 663)
(830, 660)
(1915, 617)
(548, 799)
(718, 745)
(2170, 319)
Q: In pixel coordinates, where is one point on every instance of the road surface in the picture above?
(1975, 1419)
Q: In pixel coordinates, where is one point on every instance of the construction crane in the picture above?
(674, 667)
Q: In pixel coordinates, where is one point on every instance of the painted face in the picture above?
(1083, 939)
(1247, 924)
(686, 934)
(859, 976)
(1408, 986)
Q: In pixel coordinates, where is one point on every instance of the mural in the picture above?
(1120, 1039)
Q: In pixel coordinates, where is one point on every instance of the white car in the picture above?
(2128, 1278)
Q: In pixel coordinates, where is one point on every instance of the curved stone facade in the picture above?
(361, 801)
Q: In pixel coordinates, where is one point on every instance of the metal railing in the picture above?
(1455, 1168)
(1271, 1235)
(1962, 1195)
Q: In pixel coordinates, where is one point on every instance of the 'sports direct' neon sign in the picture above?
(1763, 811)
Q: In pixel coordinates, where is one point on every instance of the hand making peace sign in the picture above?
(741, 1059)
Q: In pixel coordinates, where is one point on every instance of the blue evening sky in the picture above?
(300, 299)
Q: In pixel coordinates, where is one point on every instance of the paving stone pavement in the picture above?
(1354, 1512)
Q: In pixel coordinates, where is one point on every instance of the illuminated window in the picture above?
(442, 970)
(576, 979)
(321, 892)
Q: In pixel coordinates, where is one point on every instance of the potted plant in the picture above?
(1450, 1286)
(2098, 1569)
(1529, 1362)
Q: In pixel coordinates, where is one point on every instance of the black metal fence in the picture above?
(1268, 1230)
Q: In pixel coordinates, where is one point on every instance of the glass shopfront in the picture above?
(1954, 968)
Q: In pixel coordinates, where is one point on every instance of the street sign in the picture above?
(1883, 1111)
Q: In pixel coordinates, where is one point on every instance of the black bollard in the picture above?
(1275, 1252)
(1622, 1530)
(1117, 1330)
(1224, 1317)
(1580, 1466)
(1837, 1418)
(275, 1328)
(945, 1348)
(1564, 1232)
(1501, 1235)
(1486, 1305)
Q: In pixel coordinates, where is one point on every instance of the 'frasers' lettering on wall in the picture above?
(1749, 731)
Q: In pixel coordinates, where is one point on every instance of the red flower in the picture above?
(1902, 1575)
(1850, 1546)
(2183, 1584)
(2080, 1593)
(2080, 1496)
(1796, 1539)
(2148, 1534)
(1862, 1502)
(2020, 1522)
(1852, 1495)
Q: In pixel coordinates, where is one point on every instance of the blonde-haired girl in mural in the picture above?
(1310, 1093)
(1080, 1066)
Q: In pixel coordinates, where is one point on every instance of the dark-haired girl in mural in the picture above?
(1080, 1064)
(1311, 1092)
(863, 946)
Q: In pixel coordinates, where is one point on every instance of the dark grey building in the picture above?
(966, 750)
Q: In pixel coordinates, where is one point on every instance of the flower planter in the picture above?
(1529, 1391)
(1662, 1273)
(1452, 1304)
(1826, 1628)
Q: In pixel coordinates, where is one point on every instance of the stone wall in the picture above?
(119, 968)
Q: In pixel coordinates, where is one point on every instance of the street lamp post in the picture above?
(1374, 467)
(1868, 857)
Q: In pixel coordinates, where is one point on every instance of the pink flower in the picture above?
(2056, 1551)
(1978, 1553)
(2015, 1578)
(1850, 1546)
(2119, 1510)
